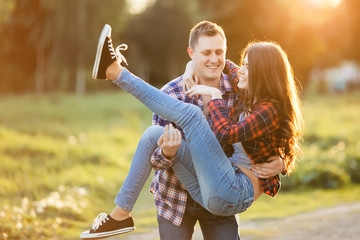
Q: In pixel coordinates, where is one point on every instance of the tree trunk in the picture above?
(40, 69)
(81, 33)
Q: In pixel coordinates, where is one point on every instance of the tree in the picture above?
(18, 51)
(159, 38)
(352, 15)
(50, 45)
(306, 33)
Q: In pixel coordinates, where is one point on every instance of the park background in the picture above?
(66, 140)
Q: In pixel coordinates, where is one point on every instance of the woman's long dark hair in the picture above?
(271, 78)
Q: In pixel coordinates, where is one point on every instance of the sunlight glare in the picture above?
(334, 3)
(325, 3)
(138, 6)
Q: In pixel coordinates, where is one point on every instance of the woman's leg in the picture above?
(140, 169)
(216, 177)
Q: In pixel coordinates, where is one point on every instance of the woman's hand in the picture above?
(271, 168)
(204, 90)
(190, 78)
(170, 141)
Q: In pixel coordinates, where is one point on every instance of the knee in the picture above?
(219, 206)
(153, 133)
(195, 112)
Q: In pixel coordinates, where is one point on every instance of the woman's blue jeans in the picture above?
(200, 164)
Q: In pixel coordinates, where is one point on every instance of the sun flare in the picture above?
(325, 3)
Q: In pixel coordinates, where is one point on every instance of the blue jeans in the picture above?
(212, 227)
(140, 169)
(201, 164)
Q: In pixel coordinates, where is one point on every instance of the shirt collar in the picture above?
(225, 85)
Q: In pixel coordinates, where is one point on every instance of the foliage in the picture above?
(62, 161)
(331, 147)
(158, 39)
(287, 204)
(352, 165)
(308, 34)
(47, 44)
(322, 86)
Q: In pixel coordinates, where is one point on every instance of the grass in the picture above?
(63, 155)
(63, 159)
(295, 202)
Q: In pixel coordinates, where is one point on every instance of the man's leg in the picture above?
(213, 227)
(169, 231)
(217, 227)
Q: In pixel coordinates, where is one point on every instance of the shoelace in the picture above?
(116, 54)
(99, 220)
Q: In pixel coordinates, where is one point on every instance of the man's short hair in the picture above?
(204, 28)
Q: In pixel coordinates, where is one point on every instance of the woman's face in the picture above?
(244, 74)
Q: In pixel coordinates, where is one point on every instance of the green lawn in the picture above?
(63, 159)
(295, 202)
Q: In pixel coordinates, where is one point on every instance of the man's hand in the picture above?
(170, 141)
(189, 78)
(273, 167)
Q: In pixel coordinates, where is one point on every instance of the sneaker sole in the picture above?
(87, 235)
(106, 31)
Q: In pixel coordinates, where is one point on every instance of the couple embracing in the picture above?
(220, 137)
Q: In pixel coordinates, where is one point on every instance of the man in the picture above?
(177, 212)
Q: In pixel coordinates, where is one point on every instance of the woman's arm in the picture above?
(262, 120)
(190, 78)
(205, 91)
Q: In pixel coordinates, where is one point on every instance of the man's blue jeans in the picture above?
(212, 227)
(201, 164)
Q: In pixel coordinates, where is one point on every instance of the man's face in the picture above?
(208, 56)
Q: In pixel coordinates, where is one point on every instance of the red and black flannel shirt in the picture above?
(257, 132)
(169, 194)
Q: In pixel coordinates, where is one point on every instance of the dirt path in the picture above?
(338, 222)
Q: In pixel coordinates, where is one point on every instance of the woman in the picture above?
(270, 127)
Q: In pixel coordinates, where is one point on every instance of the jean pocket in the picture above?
(246, 204)
(220, 207)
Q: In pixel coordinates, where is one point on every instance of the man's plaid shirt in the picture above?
(169, 194)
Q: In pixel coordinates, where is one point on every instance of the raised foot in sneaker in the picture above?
(105, 226)
(106, 54)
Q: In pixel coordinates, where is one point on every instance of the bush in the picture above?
(352, 167)
(290, 182)
(324, 176)
(318, 176)
(322, 87)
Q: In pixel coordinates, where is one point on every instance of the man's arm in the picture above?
(158, 160)
(273, 167)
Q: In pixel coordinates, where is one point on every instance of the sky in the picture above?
(136, 6)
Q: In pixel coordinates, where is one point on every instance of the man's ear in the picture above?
(190, 52)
